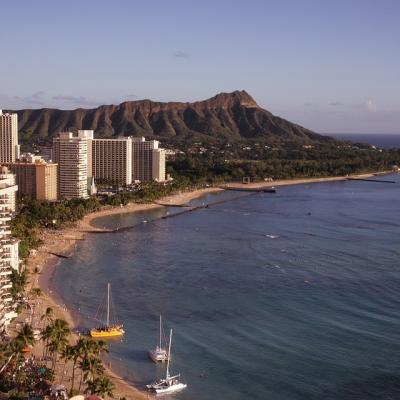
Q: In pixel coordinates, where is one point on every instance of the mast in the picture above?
(108, 304)
(160, 330)
(169, 353)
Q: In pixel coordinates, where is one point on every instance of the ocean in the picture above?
(382, 140)
(286, 296)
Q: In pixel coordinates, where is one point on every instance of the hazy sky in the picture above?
(330, 65)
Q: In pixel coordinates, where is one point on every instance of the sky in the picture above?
(329, 65)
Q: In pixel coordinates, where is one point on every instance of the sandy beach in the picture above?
(63, 242)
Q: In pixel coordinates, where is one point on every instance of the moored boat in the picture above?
(107, 330)
(169, 384)
(159, 354)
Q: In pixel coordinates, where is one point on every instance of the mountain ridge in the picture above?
(228, 116)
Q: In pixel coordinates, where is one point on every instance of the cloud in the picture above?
(131, 96)
(182, 54)
(38, 95)
(308, 104)
(368, 106)
(76, 100)
(35, 99)
(336, 103)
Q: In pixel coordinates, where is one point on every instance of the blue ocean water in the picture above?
(285, 296)
(381, 140)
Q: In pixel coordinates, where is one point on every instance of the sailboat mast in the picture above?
(160, 330)
(108, 304)
(169, 353)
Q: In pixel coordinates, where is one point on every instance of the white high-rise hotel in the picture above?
(8, 247)
(70, 152)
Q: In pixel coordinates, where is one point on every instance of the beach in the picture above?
(63, 243)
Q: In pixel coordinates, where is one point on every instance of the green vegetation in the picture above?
(22, 378)
(223, 163)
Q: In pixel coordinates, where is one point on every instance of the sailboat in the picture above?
(108, 330)
(159, 354)
(170, 384)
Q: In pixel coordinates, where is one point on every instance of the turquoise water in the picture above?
(293, 295)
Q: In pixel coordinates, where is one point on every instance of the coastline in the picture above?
(64, 242)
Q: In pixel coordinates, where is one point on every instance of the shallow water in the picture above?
(293, 295)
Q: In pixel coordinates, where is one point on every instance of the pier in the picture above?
(269, 189)
(58, 255)
(370, 180)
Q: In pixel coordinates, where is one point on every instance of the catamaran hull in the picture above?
(171, 389)
(157, 357)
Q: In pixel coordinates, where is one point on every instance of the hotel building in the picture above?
(9, 148)
(148, 161)
(111, 160)
(8, 249)
(35, 177)
(158, 165)
(70, 152)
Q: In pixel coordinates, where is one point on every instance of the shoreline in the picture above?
(64, 242)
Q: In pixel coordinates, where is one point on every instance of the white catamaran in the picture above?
(170, 384)
(159, 354)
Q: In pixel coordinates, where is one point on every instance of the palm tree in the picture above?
(76, 353)
(101, 386)
(15, 350)
(58, 333)
(66, 354)
(36, 292)
(89, 352)
(25, 335)
(91, 367)
(35, 273)
(48, 316)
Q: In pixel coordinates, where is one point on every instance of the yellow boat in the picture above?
(108, 330)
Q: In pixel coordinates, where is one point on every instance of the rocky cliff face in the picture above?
(230, 116)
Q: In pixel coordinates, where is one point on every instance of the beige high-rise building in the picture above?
(111, 160)
(158, 167)
(143, 153)
(9, 148)
(8, 250)
(70, 152)
(46, 181)
(35, 177)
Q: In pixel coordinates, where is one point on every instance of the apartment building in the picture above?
(8, 250)
(9, 148)
(70, 152)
